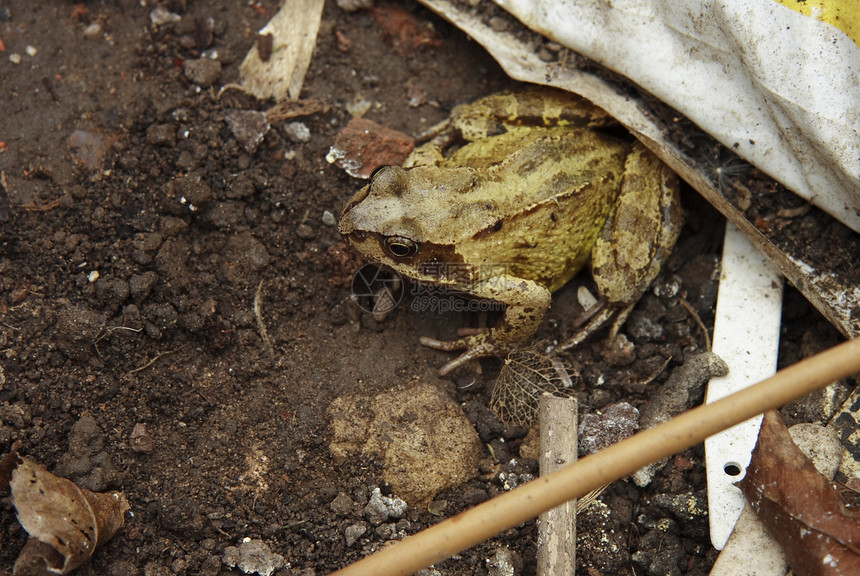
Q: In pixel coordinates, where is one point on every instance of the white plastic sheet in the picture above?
(778, 86)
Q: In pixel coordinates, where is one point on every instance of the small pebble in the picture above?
(248, 126)
(93, 31)
(253, 557)
(31, 51)
(342, 505)
(203, 71)
(354, 532)
(161, 16)
(619, 351)
(15, 58)
(298, 132)
(140, 440)
(505, 562)
(358, 106)
(612, 424)
(380, 508)
(328, 218)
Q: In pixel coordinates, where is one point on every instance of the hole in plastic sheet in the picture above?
(733, 469)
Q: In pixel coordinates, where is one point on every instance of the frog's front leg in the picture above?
(527, 303)
(635, 240)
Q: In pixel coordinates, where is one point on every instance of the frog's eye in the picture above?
(377, 170)
(400, 247)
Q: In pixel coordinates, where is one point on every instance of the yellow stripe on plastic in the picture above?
(844, 14)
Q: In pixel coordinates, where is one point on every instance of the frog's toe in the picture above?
(445, 345)
(474, 350)
(471, 354)
(595, 323)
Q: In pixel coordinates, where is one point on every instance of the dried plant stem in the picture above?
(556, 554)
(468, 528)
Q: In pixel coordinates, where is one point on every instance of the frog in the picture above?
(507, 200)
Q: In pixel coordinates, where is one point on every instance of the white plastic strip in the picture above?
(746, 336)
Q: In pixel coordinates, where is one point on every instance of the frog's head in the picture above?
(388, 221)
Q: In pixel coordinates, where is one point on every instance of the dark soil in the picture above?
(139, 233)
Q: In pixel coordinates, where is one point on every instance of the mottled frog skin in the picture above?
(514, 194)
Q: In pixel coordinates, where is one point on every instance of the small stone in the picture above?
(253, 557)
(202, 71)
(354, 532)
(619, 351)
(298, 132)
(422, 438)
(249, 127)
(612, 424)
(93, 31)
(328, 218)
(161, 16)
(363, 146)
(305, 232)
(342, 505)
(380, 508)
(505, 562)
(140, 440)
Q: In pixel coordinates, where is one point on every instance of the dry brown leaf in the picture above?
(799, 506)
(66, 523)
(294, 35)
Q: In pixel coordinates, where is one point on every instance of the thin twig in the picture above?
(261, 325)
(698, 320)
(154, 360)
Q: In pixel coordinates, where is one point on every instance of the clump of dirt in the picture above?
(175, 313)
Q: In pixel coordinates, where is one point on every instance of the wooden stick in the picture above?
(502, 512)
(558, 447)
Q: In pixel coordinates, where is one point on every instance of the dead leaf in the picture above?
(294, 34)
(66, 523)
(799, 506)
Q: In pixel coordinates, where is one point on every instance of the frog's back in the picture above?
(539, 209)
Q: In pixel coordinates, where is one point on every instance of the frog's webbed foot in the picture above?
(475, 346)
